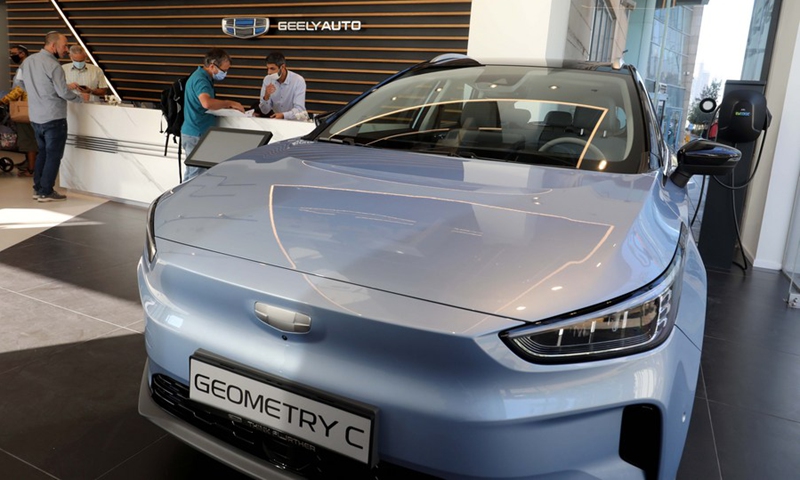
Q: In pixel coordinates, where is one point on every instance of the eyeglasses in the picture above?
(221, 70)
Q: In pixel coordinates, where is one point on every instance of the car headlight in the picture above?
(633, 323)
(150, 241)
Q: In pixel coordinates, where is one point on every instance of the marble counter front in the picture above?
(118, 151)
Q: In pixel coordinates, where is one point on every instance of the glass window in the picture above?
(567, 118)
(602, 33)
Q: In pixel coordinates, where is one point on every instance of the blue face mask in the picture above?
(220, 75)
(79, 65)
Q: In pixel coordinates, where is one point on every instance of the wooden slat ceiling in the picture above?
(143, 46)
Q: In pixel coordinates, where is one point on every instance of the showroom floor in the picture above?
(72, 353)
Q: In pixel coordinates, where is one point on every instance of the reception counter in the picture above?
(118, 151)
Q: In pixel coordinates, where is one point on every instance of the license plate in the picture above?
(324, 420)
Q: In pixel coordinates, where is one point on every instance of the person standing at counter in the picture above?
(84, 77)
(17, 54)
(43, 79)
(199, 97)
(26, 139)
(283, 93)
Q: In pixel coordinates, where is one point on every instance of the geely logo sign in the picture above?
(245, 27)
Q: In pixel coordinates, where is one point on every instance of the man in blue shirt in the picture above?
(283, 93)
(198, 98)
(42, 77)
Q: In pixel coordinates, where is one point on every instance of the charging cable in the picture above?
(755, 169)
(733, 187)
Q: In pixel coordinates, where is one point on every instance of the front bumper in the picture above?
(203, 441)
(478, 411)
(166, 403)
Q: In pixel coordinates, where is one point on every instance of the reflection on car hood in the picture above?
(520, 241)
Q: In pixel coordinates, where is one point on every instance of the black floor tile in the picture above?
(699, 454)
(108, 227)
(751, 309)
(100, 256)
(17, 359)
(60, 259)
(42, 252)
(755, 446)
(75, 412)
(79, 265)
(14, 468)
(122, 241)
(170, 459)
(118, 280)
(701, 386)
(752, 377)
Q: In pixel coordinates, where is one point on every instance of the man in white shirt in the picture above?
(84, 77)
(283, 93)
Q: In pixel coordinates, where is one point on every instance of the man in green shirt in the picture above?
(199, 97)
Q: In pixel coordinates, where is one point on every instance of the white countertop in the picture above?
(118, 151)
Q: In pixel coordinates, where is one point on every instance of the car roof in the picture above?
(460, 60)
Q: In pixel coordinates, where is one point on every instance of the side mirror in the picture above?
(704, 157)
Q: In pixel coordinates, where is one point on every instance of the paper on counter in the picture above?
(229, 112)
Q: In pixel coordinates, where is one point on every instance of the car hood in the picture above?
(521, 241)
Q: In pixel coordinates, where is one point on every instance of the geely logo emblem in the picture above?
(245, 27)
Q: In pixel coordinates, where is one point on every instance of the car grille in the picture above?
(173, 397)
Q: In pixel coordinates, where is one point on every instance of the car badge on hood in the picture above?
(282, 319)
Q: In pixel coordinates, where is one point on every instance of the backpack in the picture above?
(172, 113)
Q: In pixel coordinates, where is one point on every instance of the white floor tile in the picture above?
(22, 217)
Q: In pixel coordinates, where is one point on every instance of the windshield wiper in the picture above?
(346, 141)
(451, 152)
(329, 140)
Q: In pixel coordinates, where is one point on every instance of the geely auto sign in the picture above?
(245, 27)
(314, 26)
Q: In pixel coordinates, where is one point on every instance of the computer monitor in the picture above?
(219, 144)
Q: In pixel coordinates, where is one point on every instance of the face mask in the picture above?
(273, 77)
(219, 76)
(79, 65)
(15, 58)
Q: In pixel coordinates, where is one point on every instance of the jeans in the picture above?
(51, 137)
(188, 142)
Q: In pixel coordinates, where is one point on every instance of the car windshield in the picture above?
(582, 119)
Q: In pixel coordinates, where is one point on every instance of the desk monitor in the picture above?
(219, 144)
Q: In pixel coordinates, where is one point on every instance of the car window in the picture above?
(567, 118)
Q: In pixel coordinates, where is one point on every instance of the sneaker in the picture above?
(53, 197)
(36, 194)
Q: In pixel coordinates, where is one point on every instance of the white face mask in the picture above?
(272, 77)
(219, 76)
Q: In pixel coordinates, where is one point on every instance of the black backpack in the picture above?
(172, 112)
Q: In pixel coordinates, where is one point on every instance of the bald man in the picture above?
(43, 78)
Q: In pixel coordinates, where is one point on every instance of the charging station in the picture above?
(743, 115)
